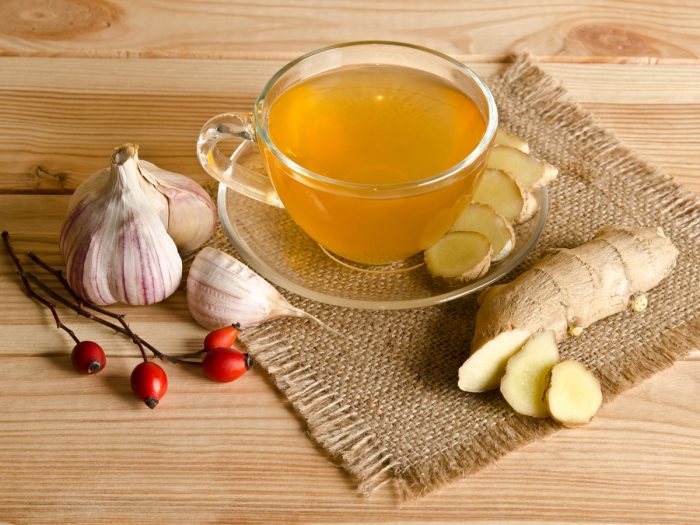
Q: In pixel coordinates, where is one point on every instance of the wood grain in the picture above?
(39, 232)
(83, 450)
(234, 453)
(640, 31)
(59, 127)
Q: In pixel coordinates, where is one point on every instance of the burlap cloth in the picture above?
(388, 409)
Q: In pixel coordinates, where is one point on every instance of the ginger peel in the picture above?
(572, 287)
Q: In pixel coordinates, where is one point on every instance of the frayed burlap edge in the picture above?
(335, 428)
(669, 346)
(546, 96)
(342, 432)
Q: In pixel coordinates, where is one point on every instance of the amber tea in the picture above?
(373, 127)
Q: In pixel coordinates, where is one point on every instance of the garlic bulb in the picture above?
(114, 242)
(191, 212)
(184, 208)
(221, 290)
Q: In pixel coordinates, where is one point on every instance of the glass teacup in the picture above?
(367, 197)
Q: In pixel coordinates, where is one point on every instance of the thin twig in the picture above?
(30, 291)
(58, 274)
(131, 334)
(193, 354)
(79, 306)
(84, 313)
(82, 303)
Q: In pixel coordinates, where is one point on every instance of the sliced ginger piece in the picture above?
(573, 396)
(459, 256)
(483, 370)
(504, 138)
(527, 375)
(482, 218)
(529, 171)
(505, 195)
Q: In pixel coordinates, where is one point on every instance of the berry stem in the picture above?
(58, 274)
(80, 310)
(124, 331)
(79, 305)
(32, 293)
(131, 334)
(193, 354)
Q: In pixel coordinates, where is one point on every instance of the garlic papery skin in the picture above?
(114, 243)
(184, 208)
(222, 290)
(191, 214)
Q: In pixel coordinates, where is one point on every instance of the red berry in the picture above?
(88, 357)
(221, 337)
(149, 383)
(225, 364)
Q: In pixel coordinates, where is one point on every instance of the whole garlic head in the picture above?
(114, 241)
(184, 208)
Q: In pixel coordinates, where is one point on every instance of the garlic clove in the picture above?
(221, 290)
(114, 243)
(191, 214)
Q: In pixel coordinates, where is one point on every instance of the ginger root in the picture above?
(572, 287)
(504, 138)
(527, 375)
(459, 256)
(482, 219)
(505, 195)
(529, 171)
(573, 395)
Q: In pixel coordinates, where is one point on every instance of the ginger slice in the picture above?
(505, 195)
(573, 396)
(483, 370)
(504, 138)
(459, 256)
(529, 171)
(527, 375)
(482, 218)
(564, 292)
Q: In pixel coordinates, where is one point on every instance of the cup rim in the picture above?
(486, 139)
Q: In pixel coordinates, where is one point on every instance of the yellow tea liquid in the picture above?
(374, 125)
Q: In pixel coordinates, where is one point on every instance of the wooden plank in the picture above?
(242, 79)
(59, 121)
(642, 31)
(34, 222)
(77, 449)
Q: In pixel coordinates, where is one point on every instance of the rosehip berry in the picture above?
(221, 337)
(149, 383)
(88, 357)
(226, 364)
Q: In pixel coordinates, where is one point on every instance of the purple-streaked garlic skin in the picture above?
(114, 242)
(221, 290)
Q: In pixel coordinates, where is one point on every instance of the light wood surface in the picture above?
(81, 450)
(620, 30)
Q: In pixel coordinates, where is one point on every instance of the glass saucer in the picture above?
(271, 243)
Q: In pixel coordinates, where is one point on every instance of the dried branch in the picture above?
(80, 306)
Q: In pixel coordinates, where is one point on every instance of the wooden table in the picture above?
(78, 77)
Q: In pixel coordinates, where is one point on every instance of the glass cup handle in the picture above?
(226, 169)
